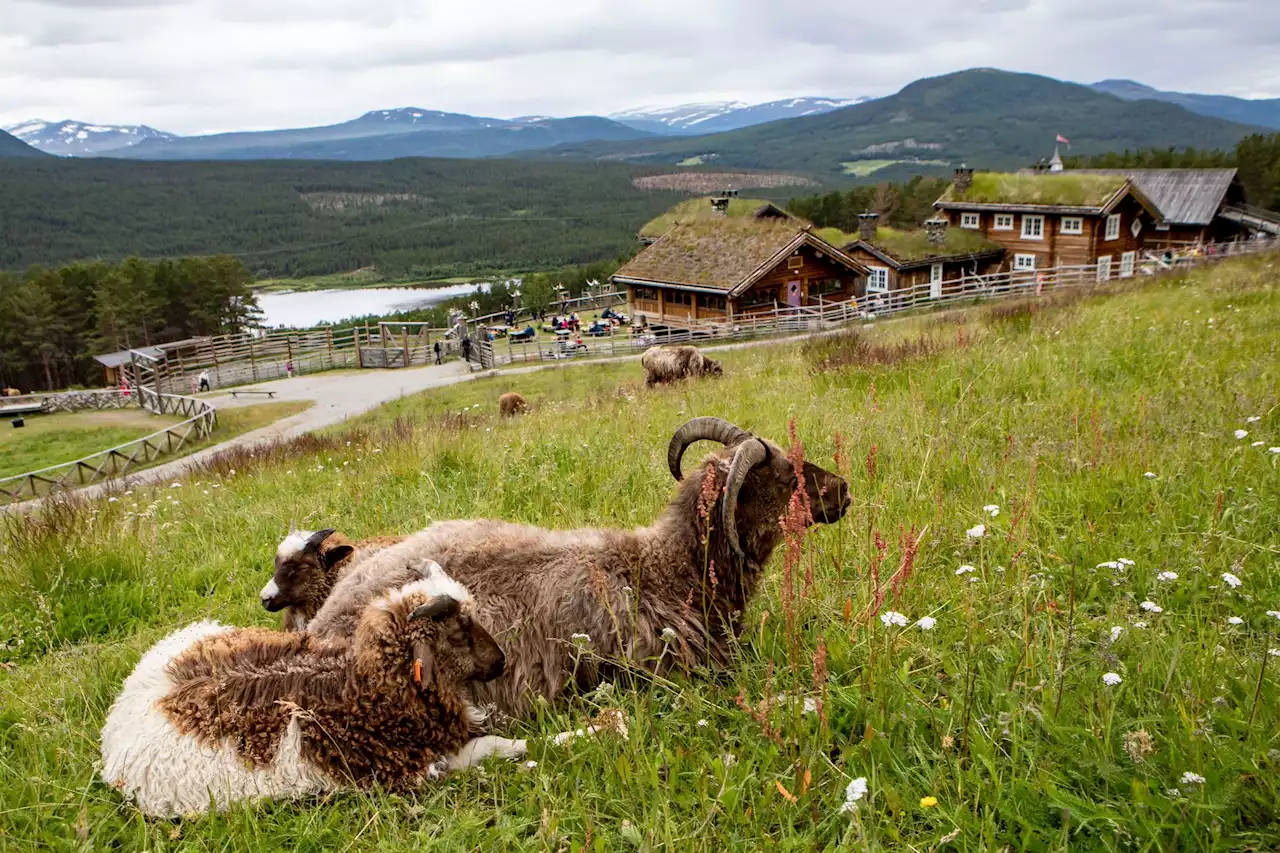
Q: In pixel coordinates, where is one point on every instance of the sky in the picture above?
(197, 66)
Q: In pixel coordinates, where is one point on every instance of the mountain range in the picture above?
(717, 116)
(1264, 112)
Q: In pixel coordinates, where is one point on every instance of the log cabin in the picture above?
(936, 257)
(714, 271)
(1054, 219)
(1192, 201)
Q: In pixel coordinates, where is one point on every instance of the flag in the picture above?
(1063, 139)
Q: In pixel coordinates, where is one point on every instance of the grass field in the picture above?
(862, 168)
(1070, 694)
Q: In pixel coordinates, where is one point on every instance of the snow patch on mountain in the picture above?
(716, 116)
(79, 139)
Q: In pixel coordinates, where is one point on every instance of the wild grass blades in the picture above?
(854, 348)
(1057, 424)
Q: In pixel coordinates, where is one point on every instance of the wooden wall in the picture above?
(812, 269)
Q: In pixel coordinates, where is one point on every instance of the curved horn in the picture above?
(293, 526)
(712, 429)
(749, 455)
(314, 540)
(436, 608)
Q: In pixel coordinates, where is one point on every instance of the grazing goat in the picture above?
(307, 566)
(214, 712)
(12, 392)
(511, 404)
(673, 363)
(675, 590)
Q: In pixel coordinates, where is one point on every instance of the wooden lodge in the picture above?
(715, 270)
(1195, 204)
(937, 257)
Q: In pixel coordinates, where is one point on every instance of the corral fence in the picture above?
(199, 420)
(826, 316)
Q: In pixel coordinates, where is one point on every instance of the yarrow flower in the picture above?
(1167, 576)
(1231, 580)
(531, 764)
(856, 790)
(1190, 778)
(1125, 561)
(926, 623)
(976, 532)
(964, 570)
(1274, 613)
(1273, 449)
(582, 640)
(669, 635)
(893, 617)
(1139, 625)
(1235, 620)
(1275, 653)
(1242, 433)
(1252, 419)
(702, 724)
(992, 509)
(1151, 607)
(1150, 475)
(1111, 679)
(1111, 564)
(1116, 631)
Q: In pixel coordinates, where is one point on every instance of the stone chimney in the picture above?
(963, 178)
(867, 223)
(935, 231)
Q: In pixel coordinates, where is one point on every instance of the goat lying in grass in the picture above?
(671, 592)
(223, 714)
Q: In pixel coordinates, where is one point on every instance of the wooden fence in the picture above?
(200, 419)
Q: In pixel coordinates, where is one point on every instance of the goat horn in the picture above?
(441, 605)
(318, 537)
(712, 429)
(293, 526)
(749, 455)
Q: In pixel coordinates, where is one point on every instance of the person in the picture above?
(288, 368)
(437, 349)
(204, 380)
(466, 348)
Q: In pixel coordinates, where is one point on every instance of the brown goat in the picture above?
(307, 567)
(511, 404)
(693, 572)
(12, 392)
(670, 363)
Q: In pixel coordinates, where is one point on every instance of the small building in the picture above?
(1192, 201)
(1045, 219)
(715, 270)
(113, 363)
(931, 257)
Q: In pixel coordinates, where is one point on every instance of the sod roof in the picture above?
(1061, 189)
(698, 210)
(912, 246)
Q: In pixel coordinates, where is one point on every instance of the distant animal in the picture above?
(217, 713)
(653, 597)
(306, 568)
(12, 392)
(511, 404)
(671, 363)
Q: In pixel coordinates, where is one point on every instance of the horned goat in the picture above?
(307, 566)
(674, 590)
(511, 404)
(223, 714)
(672, 363)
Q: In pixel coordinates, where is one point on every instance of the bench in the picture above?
(252, 391)
(21, 409)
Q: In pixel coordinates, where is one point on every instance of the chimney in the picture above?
(963, 178)
(867, 225)
(935, 231)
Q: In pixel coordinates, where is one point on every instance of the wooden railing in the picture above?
(200, 419)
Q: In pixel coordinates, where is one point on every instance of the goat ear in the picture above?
(337, 554)
(440, 607)
(424, 660)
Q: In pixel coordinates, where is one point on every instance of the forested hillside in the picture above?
(12, 146)
(53, 320)
(427, 218)
(900, 205)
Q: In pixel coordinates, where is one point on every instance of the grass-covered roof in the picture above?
(1061, 188)
(697, 210)
(908, 246)
(711, 253)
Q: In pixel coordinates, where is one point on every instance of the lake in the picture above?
(303, 308)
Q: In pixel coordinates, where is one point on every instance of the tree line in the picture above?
(53, 321)
(901, 205)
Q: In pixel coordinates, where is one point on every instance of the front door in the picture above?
(793, 294)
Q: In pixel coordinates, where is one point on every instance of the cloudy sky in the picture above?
(191, 66)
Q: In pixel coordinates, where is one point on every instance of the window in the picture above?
(968, 220)
(646, 293)
(1032, 227)
(754, 298)
(878, 279)
(711, 303)
(1072, 225)
(1113, 227)
(1104, 268)
(935, 273)
(679, 297)
(1004, 221)
(1136, 228)
(822, 288)
(1024, 262)
(1126, 264)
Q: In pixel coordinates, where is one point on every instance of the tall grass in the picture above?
(999, 711)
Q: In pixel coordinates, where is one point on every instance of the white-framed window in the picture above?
(1104, 268)
(877, 279)
(1113, 227)
(1072, 225)
(969, 220)
(1004, 222)
(1024, 262)
(1032, 227)
(1126, 263)
(1136, 228)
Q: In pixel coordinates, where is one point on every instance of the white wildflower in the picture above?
(1172, 793)
(1151, 607)
(976, 532)
(856, 790)
(1273, 449)
(1235, 620)
(1140, 625)
(809, 705)
(582, 640)
(1167, 576)
(1257, 443)
(1231, 580)
(1242, 433)
(1150, 475)
(992, 509)
(1116, 631)
(1275, 614)
(175, 485)
(1190, 778)
(669, 635)
(531, 764)
(926, 623)
(1125, 561)
(965, 570)
(112, 500)
(1275, 653)
(893, 617)
(1111, 679)
(702, 724)
(1110, 564)
(1252, 419)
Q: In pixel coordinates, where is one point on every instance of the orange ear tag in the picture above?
(417, 671)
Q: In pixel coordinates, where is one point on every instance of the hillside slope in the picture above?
(72, 138)
(1264, 112)
(985, 117)
(12, 146)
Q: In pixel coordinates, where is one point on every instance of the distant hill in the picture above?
(984, 117)
(12, 146)
(81, 139)
(1264, 112)
(718, 116)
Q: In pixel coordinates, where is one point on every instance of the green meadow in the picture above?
(1050, 620)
